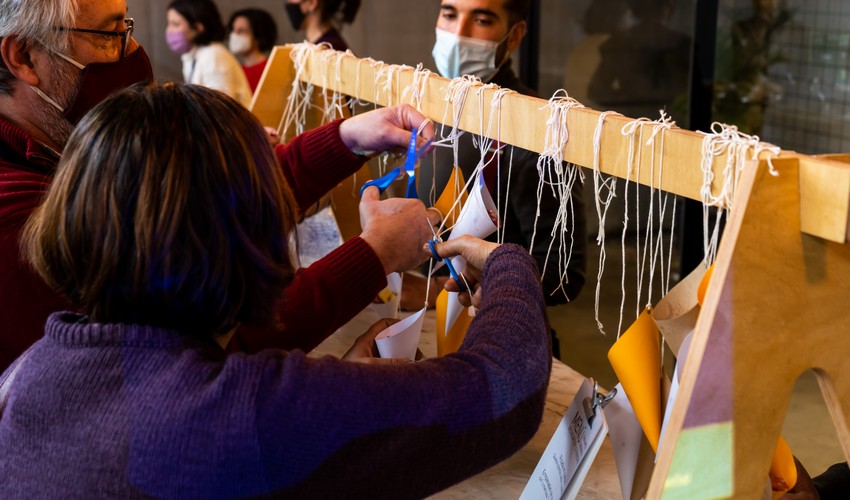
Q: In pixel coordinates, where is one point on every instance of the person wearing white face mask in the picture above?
(477, 37)
(253, 33)
(58, 59)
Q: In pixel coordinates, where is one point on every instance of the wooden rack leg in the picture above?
(777, 306)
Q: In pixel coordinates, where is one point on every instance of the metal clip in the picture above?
(598, 401)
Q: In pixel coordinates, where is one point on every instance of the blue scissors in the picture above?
(409, 168)
(451, 268)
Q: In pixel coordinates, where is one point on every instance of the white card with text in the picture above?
(571, 451)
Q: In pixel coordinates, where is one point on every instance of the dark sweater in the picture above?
(125, 411)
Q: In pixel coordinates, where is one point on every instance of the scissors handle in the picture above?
(449, 265)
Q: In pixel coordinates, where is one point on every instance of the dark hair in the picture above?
(518, 10)
(262, 26)
(202, 12)
(168, 209)
(341, 11)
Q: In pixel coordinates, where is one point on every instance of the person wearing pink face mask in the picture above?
(58, 59)
(195, 32)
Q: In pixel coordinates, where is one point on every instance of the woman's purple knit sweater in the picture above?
(128, 411)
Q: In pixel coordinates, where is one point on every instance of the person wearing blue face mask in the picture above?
(58, 59)
(477, 37)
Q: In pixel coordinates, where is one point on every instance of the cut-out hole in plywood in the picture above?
(808, 428)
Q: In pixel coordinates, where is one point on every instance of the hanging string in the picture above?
(416, 89)
(656, 257)
(551, 171)
(603, 203)
(301, 93)
(631, 129)
(727, 139)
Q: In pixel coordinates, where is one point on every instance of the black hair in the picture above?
(342, 11)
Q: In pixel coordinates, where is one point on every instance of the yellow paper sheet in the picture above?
(454, 188)
(636, 359)
(447, 344)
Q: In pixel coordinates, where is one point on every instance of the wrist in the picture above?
(377, 244)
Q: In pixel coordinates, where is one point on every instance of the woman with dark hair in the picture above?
(320, 20)
(167, 244)
(253, 33)
(196, 33)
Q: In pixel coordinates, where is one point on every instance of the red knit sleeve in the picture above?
(322, 298)
(315, 162)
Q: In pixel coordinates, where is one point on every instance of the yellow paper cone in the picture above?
(703, 285)
(636, 359)
(783, 470)
(454, 188)
(447, 344)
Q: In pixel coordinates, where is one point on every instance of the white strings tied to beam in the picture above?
(301, 93)
(604, 190)
(735, 144)
(560, 177)
(456, 96)
(650, 253)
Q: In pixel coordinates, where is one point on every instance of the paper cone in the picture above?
(636, 359)
(389, 309)
(401, 339)
(454, 189)
(703, 285)
(449, 342)
(677, 312)
(783, 469)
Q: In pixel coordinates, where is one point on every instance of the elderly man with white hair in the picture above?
(58, 58)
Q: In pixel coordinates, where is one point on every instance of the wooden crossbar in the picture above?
(826, 182)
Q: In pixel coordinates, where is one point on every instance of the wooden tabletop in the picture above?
(507, 479)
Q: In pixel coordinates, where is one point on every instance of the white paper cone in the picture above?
(390, 309)
(474, 219)
(453, 310)
(401, 339)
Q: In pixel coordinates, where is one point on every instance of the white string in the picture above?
(656, 258)
(300, 96)
(630, 129)
(726, 139)
(602, 207)
(561, 180)
(417, 87)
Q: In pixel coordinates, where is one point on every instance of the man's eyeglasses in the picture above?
(124, 35)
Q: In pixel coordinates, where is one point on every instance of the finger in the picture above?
(413, 120)
(381, 325)
(370, 194)
(434, 215)
(464, 299)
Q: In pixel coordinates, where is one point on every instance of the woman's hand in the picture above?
(475, 251)
(364, 349)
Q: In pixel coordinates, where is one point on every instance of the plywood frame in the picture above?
(776, 303)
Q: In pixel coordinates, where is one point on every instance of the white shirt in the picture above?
(215, 67)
